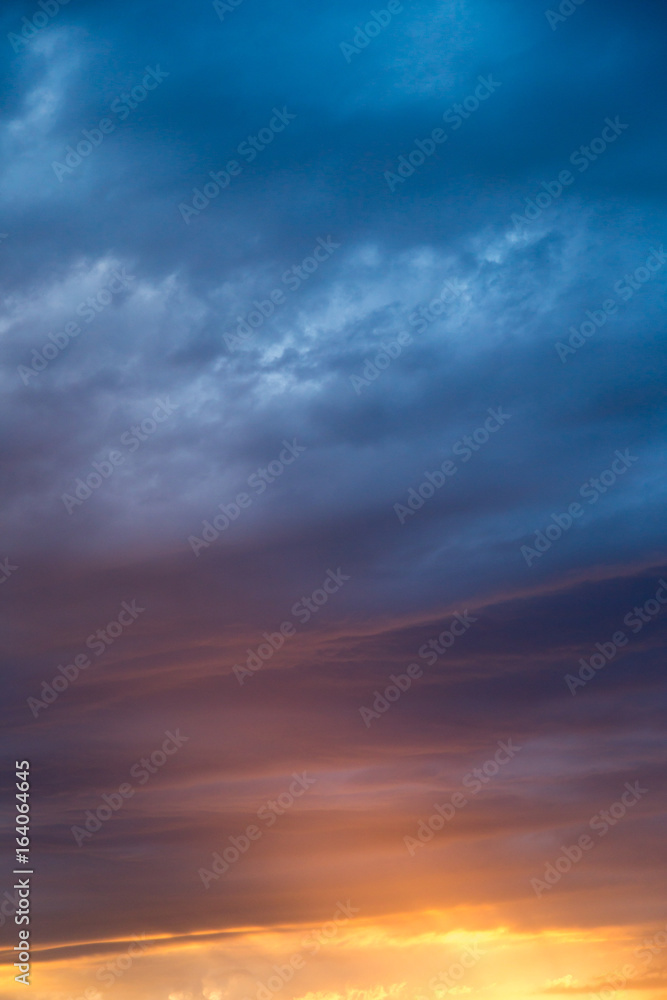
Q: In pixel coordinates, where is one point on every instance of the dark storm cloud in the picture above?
(162, 337)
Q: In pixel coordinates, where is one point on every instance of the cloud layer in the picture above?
(427, 367)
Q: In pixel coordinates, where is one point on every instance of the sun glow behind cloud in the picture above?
(417, 956)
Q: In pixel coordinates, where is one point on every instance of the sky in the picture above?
(332, 562)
